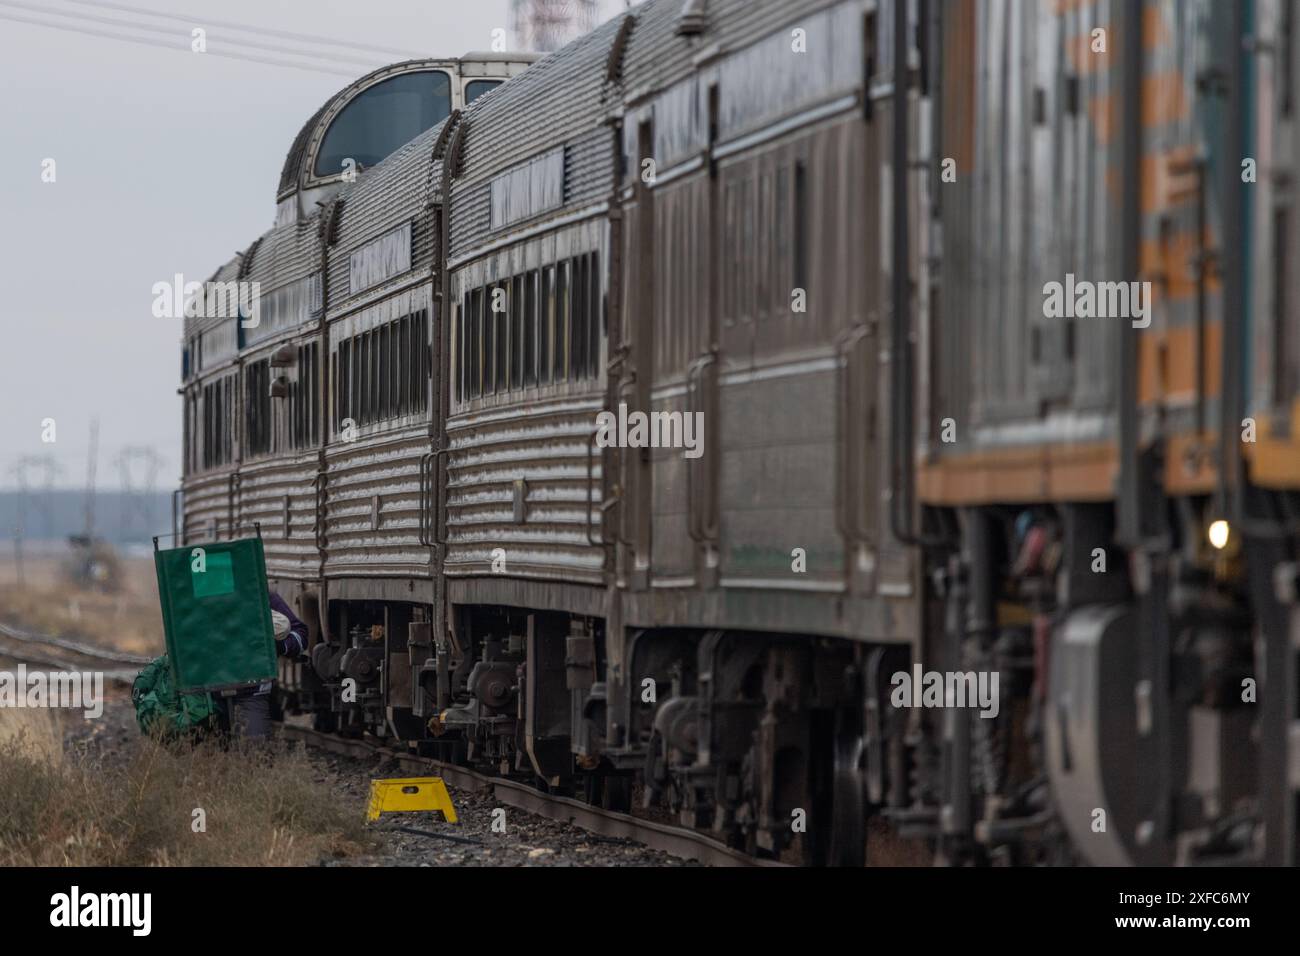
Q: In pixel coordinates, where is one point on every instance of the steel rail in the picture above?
(85, 650)
(675, 841)
(26, 656)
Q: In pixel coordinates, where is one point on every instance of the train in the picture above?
(862, 430)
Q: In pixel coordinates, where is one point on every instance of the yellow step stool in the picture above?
(406, 794)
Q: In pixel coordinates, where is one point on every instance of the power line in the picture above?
(249, 57)
(168, 31)
(245, 28)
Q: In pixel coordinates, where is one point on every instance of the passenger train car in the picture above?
(814, 245)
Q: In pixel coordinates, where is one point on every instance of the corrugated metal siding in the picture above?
(1029, 205)
(559, 100)
(207, 506)
(357, 474)
(398, 190)
(263, 491)
(285, 255)
(546, 445)
(656, 57)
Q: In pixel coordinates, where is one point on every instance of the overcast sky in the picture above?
(166, 161)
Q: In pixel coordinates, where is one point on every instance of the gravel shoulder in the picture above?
(525, 839)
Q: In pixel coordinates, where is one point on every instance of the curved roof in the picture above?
(297, 164)
(297, 173)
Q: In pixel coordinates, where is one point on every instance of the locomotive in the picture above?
(829, 232)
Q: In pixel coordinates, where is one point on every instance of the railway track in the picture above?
(675, 841)
(29, 647)
(44, 650)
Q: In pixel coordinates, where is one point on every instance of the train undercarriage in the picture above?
(825, 751)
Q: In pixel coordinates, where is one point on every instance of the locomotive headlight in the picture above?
(1218, 534)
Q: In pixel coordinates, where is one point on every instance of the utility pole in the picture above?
(22, 470)
(145, 462)
(92, 459)
(18, 551)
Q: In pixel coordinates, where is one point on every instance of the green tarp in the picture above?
(158, 708)
(216, 615)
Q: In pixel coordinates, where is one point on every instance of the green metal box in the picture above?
(216, 615)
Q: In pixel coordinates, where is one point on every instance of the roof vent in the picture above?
(246, 260)
(444, 134)
(456, 150)
(694, 18)
(614, 64)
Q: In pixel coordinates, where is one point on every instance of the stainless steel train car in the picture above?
(644, 427)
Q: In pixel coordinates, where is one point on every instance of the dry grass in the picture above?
(263, 808)
(48, 603)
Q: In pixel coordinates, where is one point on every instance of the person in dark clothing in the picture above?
(295, 641)
(250, 713)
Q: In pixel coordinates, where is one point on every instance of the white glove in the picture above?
(279, 624)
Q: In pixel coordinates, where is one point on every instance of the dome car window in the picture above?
(476, 88)
(384, 117)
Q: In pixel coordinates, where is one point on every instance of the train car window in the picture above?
(414, 349)
(355, 394)
(314, 432)
(365, 379)
(413, 362)
(489, 343)
(380, 119)
(584, 308)
(300, 397)
(530, 328)
(375, 391)
(390, 370)
(210, 426)
(595, 315)
(562, 274)
(213, 412)
(207, 427)
(402, 358)
(297, 392)
(476, 88)
(341, 384)
(420, 344)
(405, 359)
(502, 320)
(396, 368)
(336, 376)
(462, 360)
(227, 420)
(577, 320)
(383, 373)
(305, 392)
(517, 332)
(257, 408)
(546, 320)
(356, 364)
(476, 345)
(425, 368)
